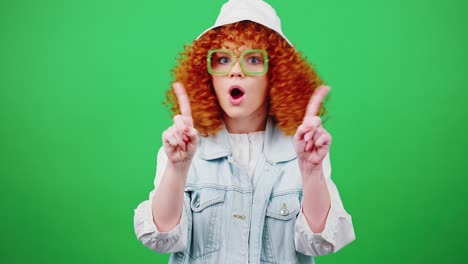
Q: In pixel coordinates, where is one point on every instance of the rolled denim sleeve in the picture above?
(338, 231)
(146, 231)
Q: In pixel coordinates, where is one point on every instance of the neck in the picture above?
(245, 125)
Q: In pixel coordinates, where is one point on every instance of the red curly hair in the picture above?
(291, 79)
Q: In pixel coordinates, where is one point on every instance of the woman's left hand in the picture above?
(312, 141)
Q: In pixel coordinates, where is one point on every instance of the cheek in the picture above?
(265, 87)
(215, 80)
(218, 84)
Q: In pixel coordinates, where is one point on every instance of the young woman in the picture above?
(244, 172)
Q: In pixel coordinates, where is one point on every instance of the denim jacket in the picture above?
(229, 219)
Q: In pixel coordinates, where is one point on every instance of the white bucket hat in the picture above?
(257, 11)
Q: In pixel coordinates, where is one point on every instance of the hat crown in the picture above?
(253, 10)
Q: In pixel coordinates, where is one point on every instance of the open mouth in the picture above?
(236, 93)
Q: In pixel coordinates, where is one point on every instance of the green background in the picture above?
(81, 86)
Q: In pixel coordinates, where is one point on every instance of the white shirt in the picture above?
(246, 149)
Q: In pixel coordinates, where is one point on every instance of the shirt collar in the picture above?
(276, 146)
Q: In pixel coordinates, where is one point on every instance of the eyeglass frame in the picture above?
(240, 59)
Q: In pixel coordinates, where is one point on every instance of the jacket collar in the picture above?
(276, 146)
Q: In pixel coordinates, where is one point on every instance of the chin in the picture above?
(235, 114)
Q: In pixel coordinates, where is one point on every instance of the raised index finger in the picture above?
(184, 102)
(316, 100)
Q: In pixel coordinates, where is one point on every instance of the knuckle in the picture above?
(194, 131)
(176, 118)
(301, 128)
(166, 133)
(317, 120)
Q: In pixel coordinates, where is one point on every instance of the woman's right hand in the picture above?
(181, 139)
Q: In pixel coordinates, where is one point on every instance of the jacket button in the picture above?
(241, 217)
(284, 211)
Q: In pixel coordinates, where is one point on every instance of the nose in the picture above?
(236, 70)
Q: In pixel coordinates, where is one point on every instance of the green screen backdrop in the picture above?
(81, 91)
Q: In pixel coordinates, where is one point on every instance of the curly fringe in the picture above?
(292, 80)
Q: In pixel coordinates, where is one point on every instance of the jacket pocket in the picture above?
(207, 206)
(278, 232)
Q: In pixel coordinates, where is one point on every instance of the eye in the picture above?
(223, 60)
(254, 60)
